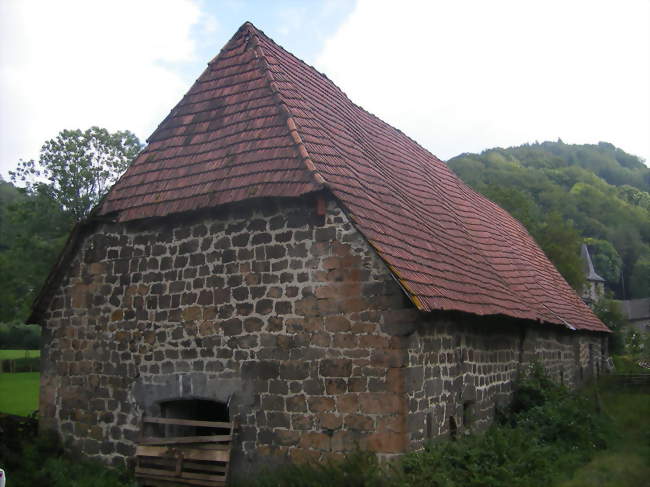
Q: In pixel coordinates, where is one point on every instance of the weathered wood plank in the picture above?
(188, 453)
(187, 422)
(185, 439)
(170, 463)
(160, 480)
(209, 446)
(181, 475)
(154, 481)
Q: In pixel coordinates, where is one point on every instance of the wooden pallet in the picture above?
(184, 460)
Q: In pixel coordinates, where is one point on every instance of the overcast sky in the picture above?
(457, 76)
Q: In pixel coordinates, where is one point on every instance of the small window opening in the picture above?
(453, 429)
(468, 413)
(561, 376)
(196, 409)
(429, 425)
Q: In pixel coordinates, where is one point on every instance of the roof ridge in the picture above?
(362, 138)
(282, 105)
(255, 30)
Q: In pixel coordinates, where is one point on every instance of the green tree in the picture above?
(640, 279)
(38, 229)
(607, 262)
(76, 168)
(73, 173)
(561, 243)
(610, 313)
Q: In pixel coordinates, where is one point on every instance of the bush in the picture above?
(627, 364)
(20, 336)
(39, 461)
(546, 432)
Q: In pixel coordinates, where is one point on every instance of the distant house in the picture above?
(637, 312)
(595, 286)
(280, 258)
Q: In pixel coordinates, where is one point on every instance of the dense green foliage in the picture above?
(566, 193)
(34, 229)
(14, 336)
(546, 434)
(609, 312)
(77, 168)
(73, 173)
(40, 461)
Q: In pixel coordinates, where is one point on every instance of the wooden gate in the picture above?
(168, 461)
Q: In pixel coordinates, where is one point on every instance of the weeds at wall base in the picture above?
(544, 435)
(38, 460)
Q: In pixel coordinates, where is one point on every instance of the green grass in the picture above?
(14, 354)
(627, 462)
(19, 393)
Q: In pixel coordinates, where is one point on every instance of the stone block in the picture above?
(347, 403)
(359, 422)
(319, 404)
(386, 442)
(337, 324)
(263, 370)
(381, 403)
(293, 370)
(335, 368)
(315, 441)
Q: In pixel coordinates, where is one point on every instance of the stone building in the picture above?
(305, 269)
(594, 288)
(637, 312)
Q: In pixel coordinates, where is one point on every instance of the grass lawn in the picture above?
(19, 393)
(627, 462)
(13, 354)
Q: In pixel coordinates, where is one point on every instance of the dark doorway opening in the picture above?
(194, 409)
(453, 428)
(468, 413)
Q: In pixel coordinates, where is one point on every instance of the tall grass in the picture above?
(627, 462)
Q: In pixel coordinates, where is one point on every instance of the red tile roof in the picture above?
(260, 122)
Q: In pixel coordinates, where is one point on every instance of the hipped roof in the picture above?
(261, 123)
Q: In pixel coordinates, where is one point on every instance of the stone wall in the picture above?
(274, 308)
(462, 368)
(287, 316)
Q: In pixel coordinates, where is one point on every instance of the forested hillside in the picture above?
(566, 194)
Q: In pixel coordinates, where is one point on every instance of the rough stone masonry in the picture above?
(288, 317)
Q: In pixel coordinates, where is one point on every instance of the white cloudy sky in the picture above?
(457, 76)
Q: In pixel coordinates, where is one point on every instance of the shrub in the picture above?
(361, 469)
(547, 432)
(39, 461)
